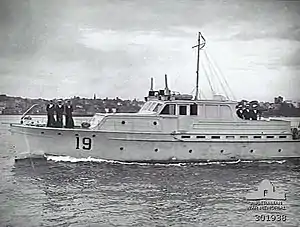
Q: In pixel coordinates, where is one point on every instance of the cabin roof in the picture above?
(204, 101)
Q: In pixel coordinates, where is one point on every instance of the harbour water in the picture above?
(76, 193)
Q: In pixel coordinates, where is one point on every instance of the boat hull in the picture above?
(143, 147)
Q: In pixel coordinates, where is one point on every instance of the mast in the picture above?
(199, 47)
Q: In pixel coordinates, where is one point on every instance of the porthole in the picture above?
(221, 151)
(279, 150)
(155, 123)
(156, 150)
(76, 134)
(121, 148)
(93, 135)
(190, 151)
(251, 151)
(42, 132)
(58, 133)
(123, 122)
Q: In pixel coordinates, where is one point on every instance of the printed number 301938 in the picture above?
(86, 143)
(273, 217)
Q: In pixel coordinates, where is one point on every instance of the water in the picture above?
(75, 193)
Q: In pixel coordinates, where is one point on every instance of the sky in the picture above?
(60, 49)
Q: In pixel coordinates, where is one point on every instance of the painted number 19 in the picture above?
(86, 143)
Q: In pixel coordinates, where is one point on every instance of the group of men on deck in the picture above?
(248, 110)
(59, 109)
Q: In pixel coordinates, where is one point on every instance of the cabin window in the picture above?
(215, 137)
(151, 106)
(281, 137)
(157, 107)
(194, 109)
(169, 109)
(200, 110)
(211, 111)
(200, 137)
(269, 137)
(225, 112)
(229, 137)
(243, 137)
(257, 137)
(182, 110)
(146, 106)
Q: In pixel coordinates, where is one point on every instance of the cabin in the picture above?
(212, 119)
(203, 109)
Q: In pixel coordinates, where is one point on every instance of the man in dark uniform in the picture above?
(50, 114)
(59, 109)
(246, 112)
(69, 117)
(239, 110)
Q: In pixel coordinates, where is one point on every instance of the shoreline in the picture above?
(45, 115)
(91, 115)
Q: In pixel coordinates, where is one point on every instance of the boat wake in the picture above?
(208, 162)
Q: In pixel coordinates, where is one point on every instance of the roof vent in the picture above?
(183, 97)
(219, 97)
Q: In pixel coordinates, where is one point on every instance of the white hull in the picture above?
(145, 147)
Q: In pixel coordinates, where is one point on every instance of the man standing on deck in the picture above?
(69, 117)
(50, 114)
(59, 109)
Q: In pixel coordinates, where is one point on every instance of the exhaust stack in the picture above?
(167, 91)
(151, 85)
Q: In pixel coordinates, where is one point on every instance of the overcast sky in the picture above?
(64, 48)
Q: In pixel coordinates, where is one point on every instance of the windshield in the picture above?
(151, 106)
(157, 107)
(96, 120)
(146, 105)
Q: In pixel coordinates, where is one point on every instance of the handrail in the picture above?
(24, 114)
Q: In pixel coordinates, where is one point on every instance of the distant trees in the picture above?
(280, 108)
(18, 105)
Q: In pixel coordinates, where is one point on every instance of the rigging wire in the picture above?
(216, 74)
(221, 74)
(201, 93)
(208, 79)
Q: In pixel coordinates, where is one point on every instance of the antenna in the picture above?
(200, 46)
